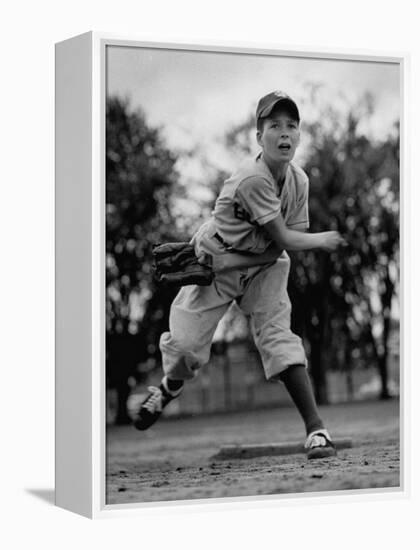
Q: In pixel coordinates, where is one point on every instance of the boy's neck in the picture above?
(277, 170)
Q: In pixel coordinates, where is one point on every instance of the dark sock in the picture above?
(174, 385)
(298, 384)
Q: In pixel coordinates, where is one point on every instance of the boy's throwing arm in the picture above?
(289, 239)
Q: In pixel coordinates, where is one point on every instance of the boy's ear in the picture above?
(259, 137)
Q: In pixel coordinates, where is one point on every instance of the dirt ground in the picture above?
(174, 460)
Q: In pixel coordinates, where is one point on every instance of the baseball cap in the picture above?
(267, 103)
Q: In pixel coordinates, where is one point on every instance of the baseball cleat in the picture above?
(319, 445)
(152, 407)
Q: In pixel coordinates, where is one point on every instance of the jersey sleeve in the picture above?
(299, 218)
(258, 198)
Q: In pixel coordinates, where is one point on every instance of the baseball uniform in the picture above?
(248, 200)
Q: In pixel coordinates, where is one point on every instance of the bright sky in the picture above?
(198, 95)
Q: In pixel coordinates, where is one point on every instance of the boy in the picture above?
(261, 212)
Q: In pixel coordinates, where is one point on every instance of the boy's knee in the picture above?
(183, 351)
(180, 344)
(284, 375)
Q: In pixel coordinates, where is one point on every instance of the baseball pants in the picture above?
(261, 293)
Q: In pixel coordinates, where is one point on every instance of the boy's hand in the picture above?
(331, 240)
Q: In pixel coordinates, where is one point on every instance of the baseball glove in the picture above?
(176, 264)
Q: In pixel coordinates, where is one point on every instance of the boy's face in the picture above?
(279, 136)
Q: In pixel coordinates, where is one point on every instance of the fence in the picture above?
(234, 380)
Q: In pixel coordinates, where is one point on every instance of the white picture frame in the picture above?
(80, 274)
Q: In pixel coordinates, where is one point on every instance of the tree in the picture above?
(348, 295)
(140, 178)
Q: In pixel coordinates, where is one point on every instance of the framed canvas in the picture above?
(231, 150)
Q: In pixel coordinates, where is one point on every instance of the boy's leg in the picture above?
(282, 351)
(267, 303)
(298, 384)
(174, 385)
(193, 319)
(194, 316)
(318, 442)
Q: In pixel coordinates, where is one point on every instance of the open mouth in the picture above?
(284, 147)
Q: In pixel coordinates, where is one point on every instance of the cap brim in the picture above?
(265, 112)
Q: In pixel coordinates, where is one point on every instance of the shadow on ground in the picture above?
(47, 495)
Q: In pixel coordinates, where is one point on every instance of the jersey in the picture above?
(251, 198)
